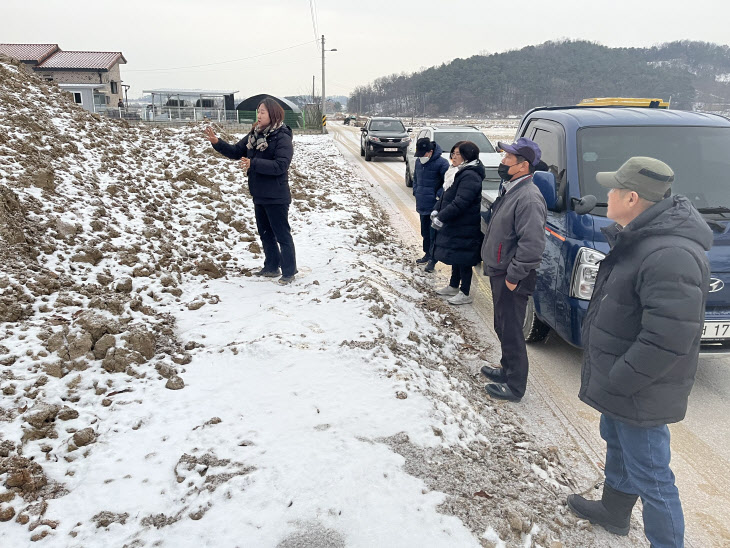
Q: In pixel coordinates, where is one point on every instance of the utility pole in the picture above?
(324, 96)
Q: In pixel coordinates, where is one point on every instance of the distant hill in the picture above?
(693, 74)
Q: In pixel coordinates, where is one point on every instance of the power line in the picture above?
(316, 17)
(257, 66)
(312, 11)
(221, 62)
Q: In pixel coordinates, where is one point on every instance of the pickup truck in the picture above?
(578, 142)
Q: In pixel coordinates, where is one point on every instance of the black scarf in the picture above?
(257, 138)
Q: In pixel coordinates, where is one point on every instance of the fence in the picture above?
(177, 115)
(149, 113)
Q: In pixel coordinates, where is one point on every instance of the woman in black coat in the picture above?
(265, 154)
(457, 222)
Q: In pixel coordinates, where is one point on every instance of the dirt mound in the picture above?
(103, 228)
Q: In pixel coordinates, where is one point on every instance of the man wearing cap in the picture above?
(511, 252)
(641, 336)
(428, 178)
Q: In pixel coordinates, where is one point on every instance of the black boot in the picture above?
(612, 512)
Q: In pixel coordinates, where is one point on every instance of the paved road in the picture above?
(551, 409)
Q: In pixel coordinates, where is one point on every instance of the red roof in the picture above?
(94, 60)
(28, 52)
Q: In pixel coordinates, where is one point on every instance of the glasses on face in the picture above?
(455, 154)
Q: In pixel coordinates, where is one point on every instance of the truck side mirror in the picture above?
(584, 205)
(363, 129)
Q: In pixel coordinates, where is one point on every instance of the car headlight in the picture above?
(405, 140)
(374, 139)
(585, 273)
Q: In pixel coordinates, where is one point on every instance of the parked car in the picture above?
(384, 137)
(447, 137)
(578, 142)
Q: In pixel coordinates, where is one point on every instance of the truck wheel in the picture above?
(533, 329)
(409, 179)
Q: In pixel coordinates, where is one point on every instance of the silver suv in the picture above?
(446, 137)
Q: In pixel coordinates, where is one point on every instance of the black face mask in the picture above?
(503, 172)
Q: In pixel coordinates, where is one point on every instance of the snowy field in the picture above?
(155, 393)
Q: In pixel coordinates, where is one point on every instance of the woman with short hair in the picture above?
(457, 222)
(265, 154)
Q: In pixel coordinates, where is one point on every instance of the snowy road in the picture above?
(701, 443)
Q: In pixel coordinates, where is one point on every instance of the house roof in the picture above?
(35, 53)
(82, 60)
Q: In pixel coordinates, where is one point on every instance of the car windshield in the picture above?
(698, 155)
(447, 139)
(387, 125)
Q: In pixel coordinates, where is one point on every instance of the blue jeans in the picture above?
(637, 462)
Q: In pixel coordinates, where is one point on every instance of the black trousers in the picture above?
(272, 222)
(509, 317)
(461, 274)
(427, 233)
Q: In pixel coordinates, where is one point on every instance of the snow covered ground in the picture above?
(155, 393)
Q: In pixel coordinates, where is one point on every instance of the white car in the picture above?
(446, 137)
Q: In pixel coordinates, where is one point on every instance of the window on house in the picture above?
(77, 98)
(115, 87)
(49, 78)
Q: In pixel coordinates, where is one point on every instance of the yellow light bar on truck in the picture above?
(624, 102)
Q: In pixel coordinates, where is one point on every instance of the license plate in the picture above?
(390, 149)
(716, 330)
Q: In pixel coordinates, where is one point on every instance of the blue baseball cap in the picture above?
(527, 148)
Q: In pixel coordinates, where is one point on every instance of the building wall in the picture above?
(88, 77)
(115, 75)
(87, 97)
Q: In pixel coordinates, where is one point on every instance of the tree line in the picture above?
(553, 73)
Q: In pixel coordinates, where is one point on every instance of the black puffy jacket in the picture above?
(268, 176)
(642, 331)
(458, 242)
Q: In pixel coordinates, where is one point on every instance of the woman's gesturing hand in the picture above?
(210, 135)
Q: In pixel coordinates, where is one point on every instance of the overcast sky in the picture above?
(374, 38)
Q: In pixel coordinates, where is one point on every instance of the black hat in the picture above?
(424, 145)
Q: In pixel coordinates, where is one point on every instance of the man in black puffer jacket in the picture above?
(428, 178)
(642, 337)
